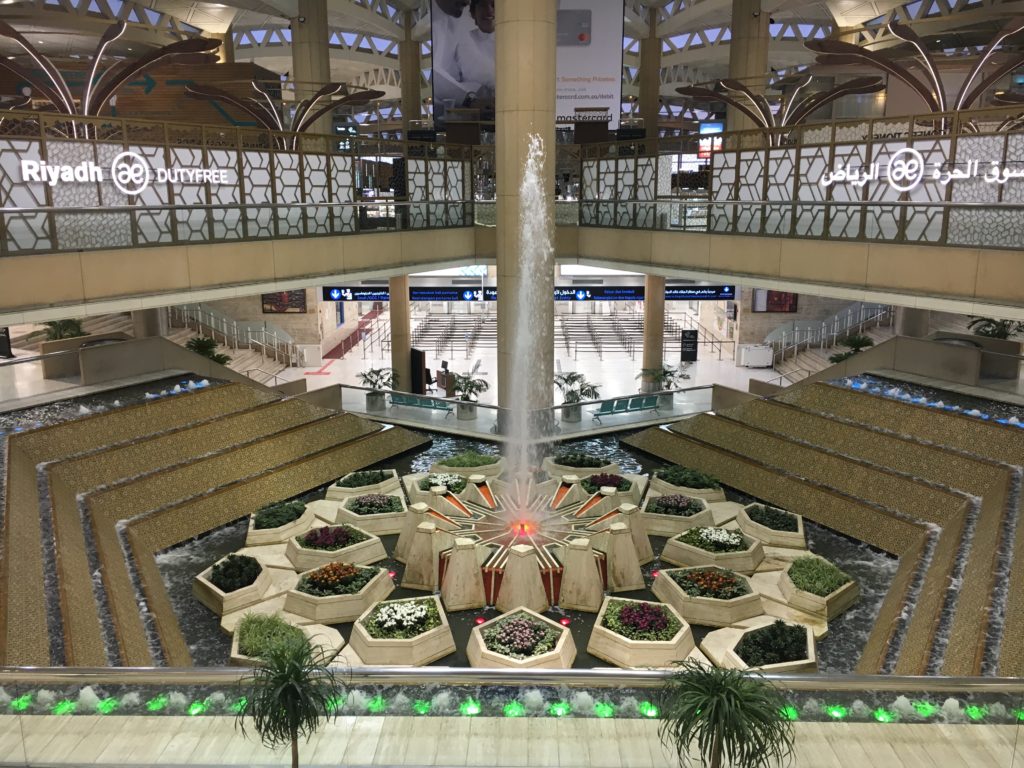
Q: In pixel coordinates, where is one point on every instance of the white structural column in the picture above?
(654, 328)
(311, 57)
(525, 105)
(149, 322)
(748, 54)
(650, 75)
(913, 322)
(401, 337)
(409, 68)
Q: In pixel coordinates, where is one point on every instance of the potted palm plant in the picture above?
(207, 347)
(468, 389)
(377, 379)
(575, 389)
(291, 695)
(731, 716)
(658, 380)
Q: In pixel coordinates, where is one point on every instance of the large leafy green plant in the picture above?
(662, 377)
(993, 328)
(468, 388)
(378, 378)
(854, 344)
(575, 388)
(731, 716)
(292, 694)
(64, 329)
(207, 347)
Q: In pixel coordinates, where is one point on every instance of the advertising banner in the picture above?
(589, 64)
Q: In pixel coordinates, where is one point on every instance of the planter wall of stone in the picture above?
(558, 470)
(321, 637)
(339, 609)
(623, 652)
(487, 470)
(259, 536)
(706, 611)
(769, 536)
(207, 593)
(672, 525)
(391, 485)
(363, 553)
(810, 664)
(665, 489)
(828, 607)
(561, 656)
(686, 555)
(418, 651)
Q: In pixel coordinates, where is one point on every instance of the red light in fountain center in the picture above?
(522, 529)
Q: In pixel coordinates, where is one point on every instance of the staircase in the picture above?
(248, 362)
(937, 489)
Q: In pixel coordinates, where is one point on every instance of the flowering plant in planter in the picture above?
(235, 572)
(772, 517)
(331, 537)
(520, 636)
(276, 515)
(674, 504)
(364, 477)
(714, 540)
(454, 483)
(375, 504)
(336, 579)
(640, 620)
(402, 620)
(716, 583)
(595, 483)
(777, 643)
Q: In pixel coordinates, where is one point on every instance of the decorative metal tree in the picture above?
(928, 82)
(99, 88)
(791, 110)
(263, 106)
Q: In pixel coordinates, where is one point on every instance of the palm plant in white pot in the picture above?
(658, 380)
(468, 390)
(575, 389)
(377, 379)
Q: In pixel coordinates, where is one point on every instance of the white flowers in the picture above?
(401, 615)
(447, 479)
(720, 536)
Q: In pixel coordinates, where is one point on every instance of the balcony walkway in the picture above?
(430, 741)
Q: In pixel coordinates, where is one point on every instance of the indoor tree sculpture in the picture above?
(100, 88)
(792, 110)
(263, 106)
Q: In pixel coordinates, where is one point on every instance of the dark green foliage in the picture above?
(817, 576)
(575, 388)
(374, 504)
(773, 517)
(290, 695)
(674, 504)
(258, 634)
(366, 477)
(470, 459)
(235, 572)
(854, 344)
(686, 477)
(595, 483)
(730, 716)
(207, 347)
(64, 329)
(777, 643)
(276, 515)
(579, 460)
(995, 329)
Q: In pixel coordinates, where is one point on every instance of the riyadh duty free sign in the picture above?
(129, 172)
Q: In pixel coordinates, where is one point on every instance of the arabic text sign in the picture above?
(907, 170)
(341, 293)
(700, 292)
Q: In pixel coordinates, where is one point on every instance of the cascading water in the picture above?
(535, 255)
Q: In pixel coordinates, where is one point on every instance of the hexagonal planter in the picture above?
(416, 651)
(665, 488)
(623, 652)
(560, 657)
(487, 470)
(390, 485)
(338, 609)
(559, 470)
(809, 664)
(325, 638)
(706, 611)
(769, 536)
(686, 555)
(827, 607)
(672, 525)
(259, 536)
(207, 593)
(363, 553)
(382, 525)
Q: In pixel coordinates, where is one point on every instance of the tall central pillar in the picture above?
(525, 59)
(654, 329)
(409, 68)
(748, 54)
(401, 338)
(650, 76)
(311, 56)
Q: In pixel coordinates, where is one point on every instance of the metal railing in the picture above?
(270, 342)
(855, 319)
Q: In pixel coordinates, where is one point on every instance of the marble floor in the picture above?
(398, 741)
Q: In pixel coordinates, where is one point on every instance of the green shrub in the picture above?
(580, 460)
(207, 347)
(403, 619)
(276, 515)
(454, 483)
(64, 329)
(366, 477)
(336, 579)
(674, 504)
(235, 572)
(714, 540)
(817, 576)
(773, 517)
(595, 483)
(777, 643)
(686, 477)
(469, 459)
(258, 634)
(639, 620)
(374, 504)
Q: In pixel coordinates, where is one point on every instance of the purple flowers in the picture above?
(331, 537)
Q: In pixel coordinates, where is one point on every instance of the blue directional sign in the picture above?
(700, 293)
(342, 293)
(600, 293)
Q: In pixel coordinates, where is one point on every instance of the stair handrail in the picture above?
(269, 340)
(796, 335)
